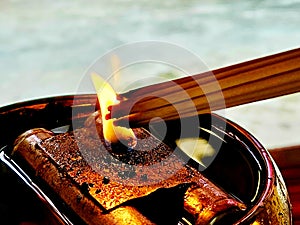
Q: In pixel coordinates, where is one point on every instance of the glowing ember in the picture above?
(107, 97)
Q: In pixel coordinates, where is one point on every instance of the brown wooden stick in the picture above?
(250, 81)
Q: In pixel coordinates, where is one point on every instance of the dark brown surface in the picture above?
(288, 161)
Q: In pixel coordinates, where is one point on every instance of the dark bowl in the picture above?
(242, 167)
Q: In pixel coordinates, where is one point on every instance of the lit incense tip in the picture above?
(107, 97)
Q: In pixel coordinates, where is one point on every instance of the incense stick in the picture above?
(246, 82)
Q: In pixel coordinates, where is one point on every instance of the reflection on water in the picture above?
(43, 42)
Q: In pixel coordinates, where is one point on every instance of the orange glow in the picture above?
(107, 97)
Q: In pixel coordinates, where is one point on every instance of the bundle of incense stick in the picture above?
(246, 82)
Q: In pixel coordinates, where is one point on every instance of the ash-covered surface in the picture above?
(113, 179)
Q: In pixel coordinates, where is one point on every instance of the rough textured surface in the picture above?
(277, 210)
(92, 179)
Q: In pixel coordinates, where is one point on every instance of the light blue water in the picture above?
(46, 46)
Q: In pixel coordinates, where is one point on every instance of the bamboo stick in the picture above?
(254, 80)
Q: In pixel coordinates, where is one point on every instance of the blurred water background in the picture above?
(46, 46)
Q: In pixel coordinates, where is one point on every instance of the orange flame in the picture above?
(107, 97)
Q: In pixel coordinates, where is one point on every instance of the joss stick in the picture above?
(246, 82)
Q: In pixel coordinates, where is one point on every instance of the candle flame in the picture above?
(107, 97)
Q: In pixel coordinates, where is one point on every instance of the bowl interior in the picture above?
(239, 167)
